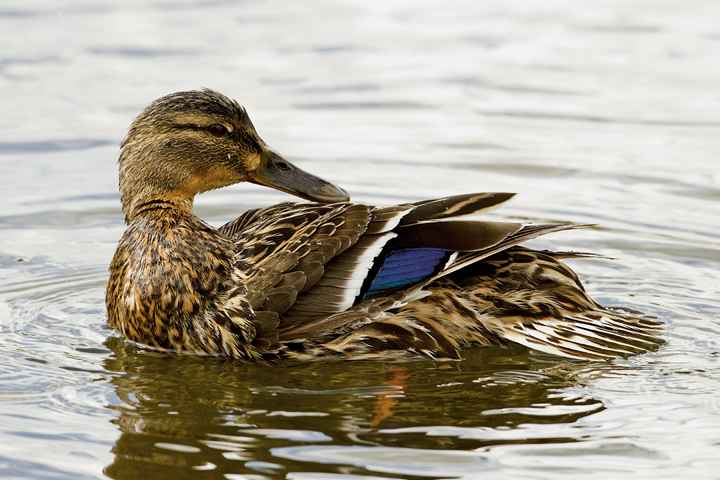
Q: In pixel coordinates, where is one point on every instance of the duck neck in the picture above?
(175, 202)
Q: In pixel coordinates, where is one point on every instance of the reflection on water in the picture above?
(604, 114)
(181, 413)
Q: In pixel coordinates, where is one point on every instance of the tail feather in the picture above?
(580, 338)
(526, 233)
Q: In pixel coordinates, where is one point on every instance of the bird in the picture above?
(328, 278)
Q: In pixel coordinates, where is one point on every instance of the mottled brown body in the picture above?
(518, 295)
(173, 286)
(298, 280)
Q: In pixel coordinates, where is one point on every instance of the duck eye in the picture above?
(217, 130)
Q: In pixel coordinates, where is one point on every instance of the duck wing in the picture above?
(300, 263)
(280, 251)
(515, 296)
(348, 280)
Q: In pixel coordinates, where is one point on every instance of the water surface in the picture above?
(606, 114)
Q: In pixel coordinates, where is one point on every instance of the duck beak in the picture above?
(276, 172)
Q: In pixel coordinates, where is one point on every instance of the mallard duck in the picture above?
(328, 278)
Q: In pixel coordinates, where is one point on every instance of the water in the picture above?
(606, 114)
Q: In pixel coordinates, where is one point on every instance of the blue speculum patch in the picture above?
(406, 267)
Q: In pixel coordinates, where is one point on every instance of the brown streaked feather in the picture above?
(456, 235)
(333, 294)
(296, 282)
(195, 308)
(386, 218)
(305, 274)
(254, 215)
(501, 301)
(327, 232)
(528, 232)
(552, 322)
(455, 206)
(311, 327)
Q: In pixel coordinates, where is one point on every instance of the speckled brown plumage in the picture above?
(328, 278)
(174, 286)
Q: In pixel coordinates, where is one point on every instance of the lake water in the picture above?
(604, 112)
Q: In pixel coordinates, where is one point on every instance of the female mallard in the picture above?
(328, 278)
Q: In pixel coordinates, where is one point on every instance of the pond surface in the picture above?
(607, 114)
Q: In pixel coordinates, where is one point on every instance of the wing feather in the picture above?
(305, 266)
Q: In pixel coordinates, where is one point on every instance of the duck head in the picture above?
(188, 143)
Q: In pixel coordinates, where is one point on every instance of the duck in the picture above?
(328, 278)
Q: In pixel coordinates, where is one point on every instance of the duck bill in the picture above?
(276, 172)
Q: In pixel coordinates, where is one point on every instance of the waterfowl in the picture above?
(328, 278)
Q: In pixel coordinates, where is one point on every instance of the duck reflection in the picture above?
(178, 414)
(386, 400)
